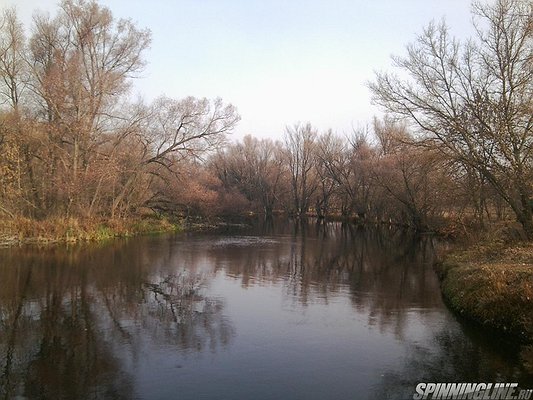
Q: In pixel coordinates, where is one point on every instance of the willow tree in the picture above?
(473, 100)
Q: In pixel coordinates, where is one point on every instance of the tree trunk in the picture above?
(524, 217)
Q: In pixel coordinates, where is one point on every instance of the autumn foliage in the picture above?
(74, 145)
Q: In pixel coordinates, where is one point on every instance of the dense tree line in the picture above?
(455, 144)
(350, 177)
(72, 141)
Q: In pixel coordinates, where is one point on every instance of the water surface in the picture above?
(280, 311)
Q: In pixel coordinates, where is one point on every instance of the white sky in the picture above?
(280, 61)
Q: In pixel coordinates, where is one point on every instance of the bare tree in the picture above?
(170, 131)
(13, 78)
(360, 154)
(190, 126)
(79, 146)
(473, 100)
(13, 74)
(255, 168)
(81, 62)
(329, 154)
(347, 162)
(413, 178)
(300, 143)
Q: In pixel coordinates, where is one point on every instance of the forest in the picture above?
(451, 154)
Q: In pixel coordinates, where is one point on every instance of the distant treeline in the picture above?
(453, 150)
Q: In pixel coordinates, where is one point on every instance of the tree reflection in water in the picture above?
(453, 357)
(84, 322)
(385, 272)
(65, 315)
(388, 275)
(184, 316)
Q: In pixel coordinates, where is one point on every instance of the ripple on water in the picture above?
(243, 241)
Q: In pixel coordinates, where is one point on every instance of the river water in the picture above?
(280, 311)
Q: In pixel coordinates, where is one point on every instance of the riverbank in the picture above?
(70, 230)
(493, 285)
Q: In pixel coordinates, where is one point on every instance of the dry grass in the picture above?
(492, 284)
(54, 230)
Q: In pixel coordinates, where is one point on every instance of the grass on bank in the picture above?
(68, 230)
(492, 283)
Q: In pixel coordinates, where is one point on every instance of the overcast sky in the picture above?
(278, 62)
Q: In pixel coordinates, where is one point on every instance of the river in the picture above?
(282, 310)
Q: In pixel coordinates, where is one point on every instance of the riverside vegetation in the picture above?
(81, 159)
(492, 284)
(60, 230)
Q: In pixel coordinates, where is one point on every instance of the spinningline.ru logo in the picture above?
(475, 391)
